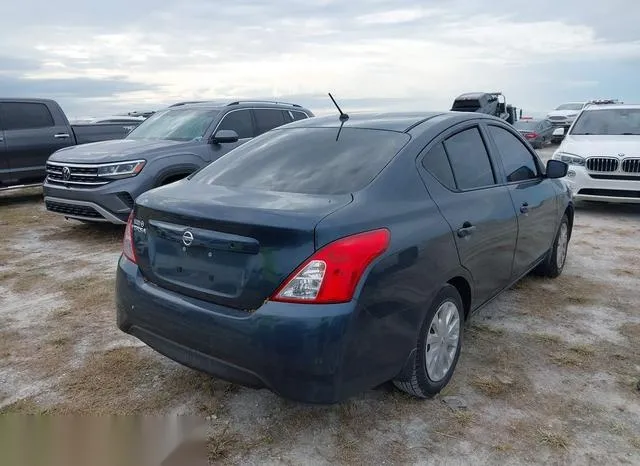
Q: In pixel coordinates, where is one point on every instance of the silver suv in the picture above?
(98, 182)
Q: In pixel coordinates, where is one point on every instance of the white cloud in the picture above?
(426, 55)
(395, 16)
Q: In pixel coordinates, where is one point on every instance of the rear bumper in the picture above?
(296, 351)
(586, 188)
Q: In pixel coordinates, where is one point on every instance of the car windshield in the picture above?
(176, 125)
(306, 160)
(619, 121)
(570, 107)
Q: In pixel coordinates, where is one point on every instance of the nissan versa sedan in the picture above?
(329, 255)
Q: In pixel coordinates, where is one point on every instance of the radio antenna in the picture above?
(343, 116)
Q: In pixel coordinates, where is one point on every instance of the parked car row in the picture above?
(322, 256)
(99, 182)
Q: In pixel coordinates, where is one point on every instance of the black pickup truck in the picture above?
(33, 129)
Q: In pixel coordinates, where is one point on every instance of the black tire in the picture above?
(418, 382)
(553, 265)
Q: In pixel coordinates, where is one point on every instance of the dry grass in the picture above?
(24, 406)
(222, 444)
(489, 386)
(126, 380)
(553, 439)
(632, 332)
(547, 338)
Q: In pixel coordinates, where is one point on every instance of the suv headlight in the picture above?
(571, 159)
(121, 169)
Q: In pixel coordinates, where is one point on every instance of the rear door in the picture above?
(533, 196)
(31, 136)
(268, 118)
(465, 186)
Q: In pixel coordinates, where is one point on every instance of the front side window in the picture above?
(238, 121)
(519, 164)
(469, 159)
(25, 115)
(175, 124)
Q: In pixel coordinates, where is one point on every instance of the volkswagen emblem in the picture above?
(187, 238)
(66, 173)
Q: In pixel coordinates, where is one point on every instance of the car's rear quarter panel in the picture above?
(399, 287)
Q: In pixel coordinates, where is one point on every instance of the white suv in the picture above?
(564, 115)
(602, 149)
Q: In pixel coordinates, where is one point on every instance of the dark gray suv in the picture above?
(98, 182)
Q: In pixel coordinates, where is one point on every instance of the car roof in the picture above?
(391, 121)
(222, 104)
(593, 107)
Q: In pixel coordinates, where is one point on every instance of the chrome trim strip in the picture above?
(108, 216)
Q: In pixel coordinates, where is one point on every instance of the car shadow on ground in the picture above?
(27, 196)
(609, 209)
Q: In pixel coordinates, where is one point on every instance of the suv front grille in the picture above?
(75, 175)
(602, 164)
(631, 165)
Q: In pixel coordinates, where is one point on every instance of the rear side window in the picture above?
(437, 163)
(306, 160)
(25, 115)
(268, 119)
(297, 115)
(519, 164)
(469, 159)
(238, 121)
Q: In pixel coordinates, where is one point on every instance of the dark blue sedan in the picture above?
(328, 256)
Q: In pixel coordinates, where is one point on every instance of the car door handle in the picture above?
(1, 139)
(466, 230)
(61, 135)
(524, 208)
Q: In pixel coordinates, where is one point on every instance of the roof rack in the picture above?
(178, 104)
(238, 102)
(604, 102)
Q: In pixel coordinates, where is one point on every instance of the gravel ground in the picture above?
(548, 372)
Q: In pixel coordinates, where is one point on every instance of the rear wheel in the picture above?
(438, 346)
(553, 264)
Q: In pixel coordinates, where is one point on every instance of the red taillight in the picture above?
(531, 135)
(333, 272)
(127, 243)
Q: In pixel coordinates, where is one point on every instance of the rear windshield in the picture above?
(175, 125)
(610, 121)
(526, 124)
(306, 160)
(570, 107)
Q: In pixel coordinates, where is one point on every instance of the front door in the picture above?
(240, 121)
(534, 198)
(478, 210)
(30, 137)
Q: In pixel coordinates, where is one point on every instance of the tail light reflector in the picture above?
(128, 248)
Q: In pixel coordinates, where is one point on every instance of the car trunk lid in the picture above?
(232, 247)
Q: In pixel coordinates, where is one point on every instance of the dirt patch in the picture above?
(548, 372)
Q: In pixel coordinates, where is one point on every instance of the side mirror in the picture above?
(224, 136)
(558, 132)
(557, 169)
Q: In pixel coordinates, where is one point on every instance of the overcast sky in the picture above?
(103, 57)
